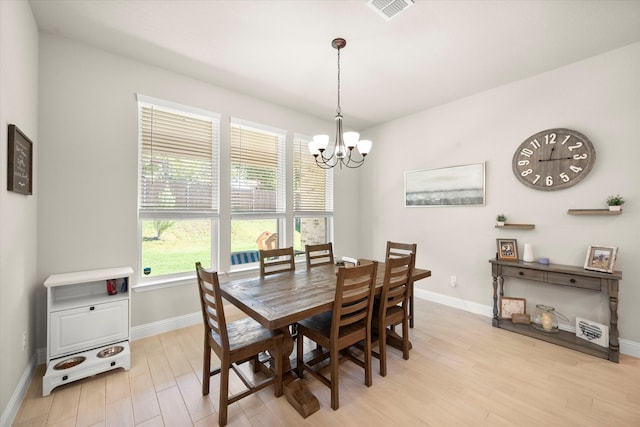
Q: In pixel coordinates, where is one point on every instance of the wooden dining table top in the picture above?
(282, 299)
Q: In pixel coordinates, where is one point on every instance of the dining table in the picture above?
(280, 300)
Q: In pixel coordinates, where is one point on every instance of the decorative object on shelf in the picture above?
(594, 332)
(461, 185)
(342, 152)
(527, 256)
(546, 319)
(19, 162)
(522, 318)
(507, 249)
(509, 306)
(543, 261)
(615, 202)
(601, 258)
(500, 220)
(553, 159)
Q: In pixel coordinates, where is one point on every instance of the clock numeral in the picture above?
(523, 162)
(580, 156)
(564, 177)
(526, 152)
(566, 138)
(537, 179)
(535, 143)
(550, 138)
(549, 181)
(576, 169)
(573, 147)
(527, 172)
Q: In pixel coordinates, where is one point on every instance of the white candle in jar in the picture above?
(547, 321)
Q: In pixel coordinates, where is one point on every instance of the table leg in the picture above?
(295, 390)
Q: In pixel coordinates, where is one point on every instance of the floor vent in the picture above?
(389, 8)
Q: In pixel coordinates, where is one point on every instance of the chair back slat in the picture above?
(321, 254)
(211, 304)
(355, 289)
(397, 249)
(397, 279)
(276, 261)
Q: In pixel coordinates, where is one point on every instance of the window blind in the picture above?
(312, 186)
(178, 161)
(257, 169)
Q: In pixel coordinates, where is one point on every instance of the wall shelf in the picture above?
(593, 212)
(520, 226)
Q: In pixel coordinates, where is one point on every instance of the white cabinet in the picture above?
(88, 324)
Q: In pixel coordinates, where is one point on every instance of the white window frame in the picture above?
(204, 214)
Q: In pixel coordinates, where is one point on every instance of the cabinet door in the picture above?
(87, 327)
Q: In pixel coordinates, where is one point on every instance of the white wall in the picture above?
(88, 189)
(18, 224)
(599, 97)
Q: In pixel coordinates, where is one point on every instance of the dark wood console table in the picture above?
(560, 275)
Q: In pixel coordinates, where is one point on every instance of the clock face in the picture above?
(553, 159)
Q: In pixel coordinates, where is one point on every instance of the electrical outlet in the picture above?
(454, 281)
(24, 341)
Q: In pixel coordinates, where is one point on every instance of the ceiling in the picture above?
(280, 51)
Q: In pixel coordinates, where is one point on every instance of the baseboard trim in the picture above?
(630, 348)
(166, 325)
(11, 411)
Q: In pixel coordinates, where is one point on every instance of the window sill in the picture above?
(162, 283)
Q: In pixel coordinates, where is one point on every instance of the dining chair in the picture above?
(392, 308)
(320, 254)
(276, 260)
(347, 324)
(397, 249)
(234, 343)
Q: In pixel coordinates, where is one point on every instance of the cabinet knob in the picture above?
(520, 273)
(572, 280)
(92, 308)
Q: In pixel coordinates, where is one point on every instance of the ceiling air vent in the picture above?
(389, 8)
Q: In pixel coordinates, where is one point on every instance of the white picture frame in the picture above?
(591, 331)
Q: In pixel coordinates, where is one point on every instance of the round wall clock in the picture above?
(553, 159)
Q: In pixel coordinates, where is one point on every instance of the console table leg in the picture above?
(614, 345)
(495, 301)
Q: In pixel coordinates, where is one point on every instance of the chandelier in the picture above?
(343, 152)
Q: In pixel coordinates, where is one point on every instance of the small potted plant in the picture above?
(615, 202)
(500, 219)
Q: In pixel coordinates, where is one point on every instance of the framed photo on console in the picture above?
(601, 258)
(510, 306)
(507, 249)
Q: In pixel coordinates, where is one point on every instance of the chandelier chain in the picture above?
(338, 110)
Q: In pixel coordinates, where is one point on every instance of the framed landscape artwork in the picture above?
(461, 185)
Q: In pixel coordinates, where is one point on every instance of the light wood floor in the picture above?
(462, 372)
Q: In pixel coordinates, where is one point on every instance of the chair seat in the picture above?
(320, 326)
(244, 333)
(395, 314)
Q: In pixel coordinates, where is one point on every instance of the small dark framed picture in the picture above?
(507, 249)
(601, 258)
(19, 162)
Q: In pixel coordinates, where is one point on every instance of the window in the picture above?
(312, 198)
(178, 187)
(257, 190)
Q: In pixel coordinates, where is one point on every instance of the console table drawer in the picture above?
(523, 273)
(583, 282)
